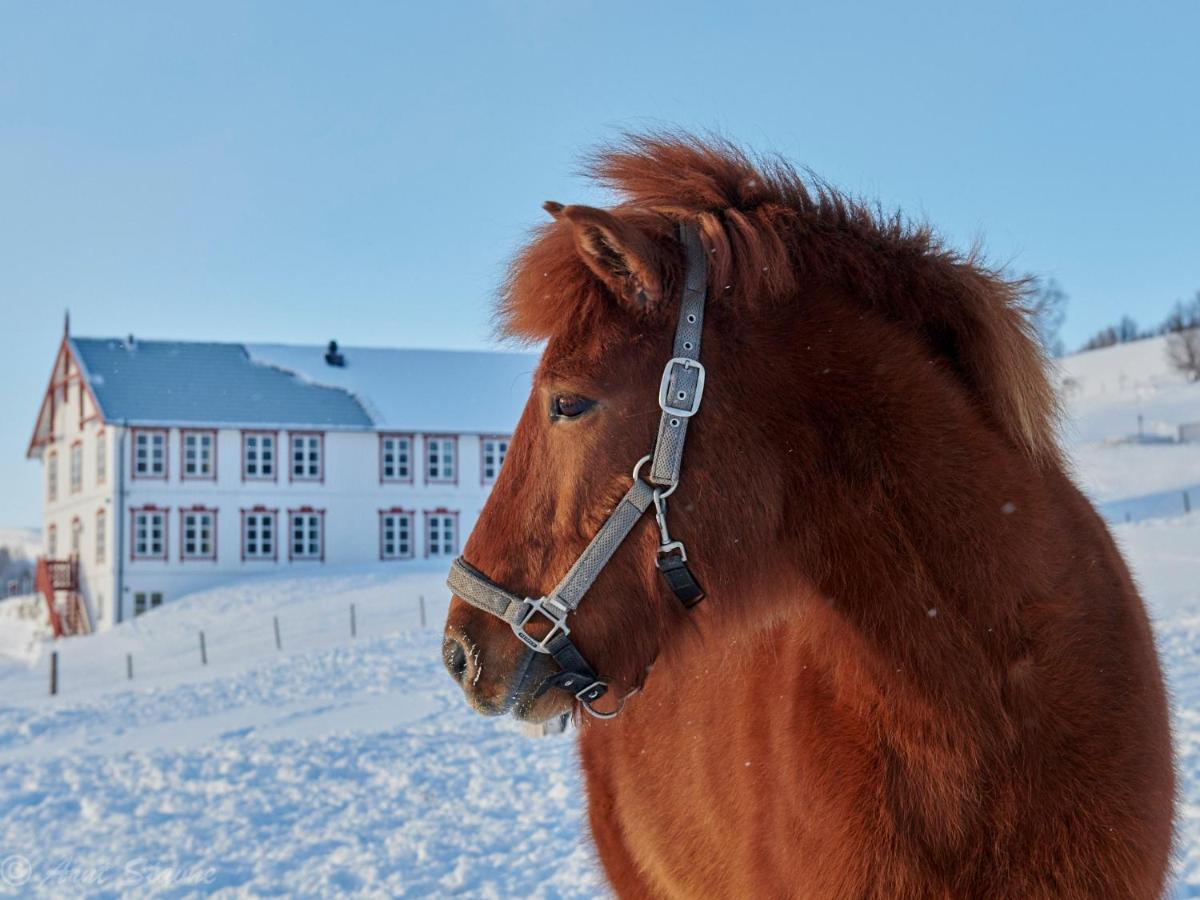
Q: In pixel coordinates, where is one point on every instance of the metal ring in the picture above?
(641, 462)
(660, 494)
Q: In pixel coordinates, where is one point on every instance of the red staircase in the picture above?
(58, 581)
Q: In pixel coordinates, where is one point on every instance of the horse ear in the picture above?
(621, 255)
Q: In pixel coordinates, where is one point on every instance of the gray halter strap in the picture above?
(680, 392)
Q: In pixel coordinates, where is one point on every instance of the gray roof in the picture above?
(181, 382)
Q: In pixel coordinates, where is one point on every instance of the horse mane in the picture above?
(771, 234)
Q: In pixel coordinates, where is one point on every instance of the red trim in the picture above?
(483, 439)
(101, 529)
(166, 520)
(440, 511)
(183, 514)
(73, 486)
(274, 514)
(308, 511)
(166, 472)
(291, 459)
(183, 436)
(412, 456)
(425, 439)
(274, 476)
(412, 532)
(48, 398)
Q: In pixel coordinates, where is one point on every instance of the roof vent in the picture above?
(333, 357)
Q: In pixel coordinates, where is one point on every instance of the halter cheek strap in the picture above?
(679, 395)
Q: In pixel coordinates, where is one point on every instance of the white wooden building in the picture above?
(171, 466)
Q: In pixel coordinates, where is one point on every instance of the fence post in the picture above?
(353, 623)
(421, 602)
(278, 642)
(129, 666)
(203, 651)
(53, 672)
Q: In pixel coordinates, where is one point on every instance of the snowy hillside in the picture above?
(349, 764)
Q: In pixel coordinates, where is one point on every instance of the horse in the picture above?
(920, 667)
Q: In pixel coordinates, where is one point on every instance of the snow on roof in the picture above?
(419, 390)
(184, 382)
(215, 384)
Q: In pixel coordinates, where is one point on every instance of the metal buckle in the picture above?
(559, 623)
(665, 403)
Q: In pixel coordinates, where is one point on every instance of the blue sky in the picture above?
(301, 171)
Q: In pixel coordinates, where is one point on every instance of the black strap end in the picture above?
(680, 580)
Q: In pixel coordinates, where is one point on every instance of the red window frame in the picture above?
(166, 539)
(412, 533)
(183, 436)
(73, 486)
(101, 529)
(260, 511)
(483, 439)
(412, 457)
(274, 476)
(425, 439)
(440, 511)
(166, 472)
(292, 476)
(305, 511)
(183, 514)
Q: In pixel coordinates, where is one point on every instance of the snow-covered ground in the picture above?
(339, 764)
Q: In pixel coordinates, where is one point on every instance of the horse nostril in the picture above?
(455, 657)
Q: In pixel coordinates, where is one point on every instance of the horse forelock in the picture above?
(773, 234)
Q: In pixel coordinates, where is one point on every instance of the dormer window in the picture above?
(150, 453)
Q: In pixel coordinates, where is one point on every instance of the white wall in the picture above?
(351, 495)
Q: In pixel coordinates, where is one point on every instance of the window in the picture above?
(198, 533)
(494, 451)
(258, 455)
(101, 535)
(306, 453)
(199, 449)
(101, 458)
(149, 453)
(76, 535)
(395, 457)
(76, 467)
(396, 534)
(143, 601)
(441, 533)
(52, 476)
(440, 459)
(149, 533)
(258, 533)
(52, 542)
(305, 538)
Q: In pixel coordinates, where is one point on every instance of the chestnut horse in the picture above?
(922, 668)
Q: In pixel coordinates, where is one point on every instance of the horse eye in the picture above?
(570, 406)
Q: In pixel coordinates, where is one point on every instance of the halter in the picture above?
(679, 395)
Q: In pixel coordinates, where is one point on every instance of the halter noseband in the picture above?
(679, 396)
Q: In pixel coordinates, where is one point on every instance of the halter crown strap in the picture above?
(679, 395)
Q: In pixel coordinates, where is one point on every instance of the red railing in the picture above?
(55, 576)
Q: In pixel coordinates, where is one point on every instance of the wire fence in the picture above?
(75, 665)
